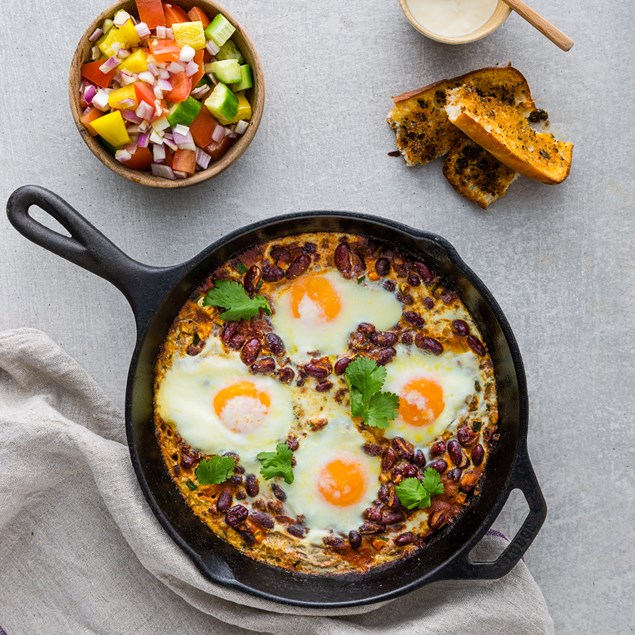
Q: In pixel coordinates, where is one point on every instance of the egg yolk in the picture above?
(320, 292)
(241, 407)
(421, 402)
(342, 482)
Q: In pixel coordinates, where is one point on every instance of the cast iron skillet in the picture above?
(157, 293)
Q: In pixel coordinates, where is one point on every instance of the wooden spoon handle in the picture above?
(544, 26)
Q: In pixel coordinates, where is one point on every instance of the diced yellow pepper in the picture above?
(136, 62)
(120, 94)
(244, 108)
(126, 36)
(111, 128)
(190, 33)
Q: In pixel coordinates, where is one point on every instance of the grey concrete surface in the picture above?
(559, 259)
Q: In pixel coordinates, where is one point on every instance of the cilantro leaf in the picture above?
(231, 296)
(277, 463)
(414, 493)
(215, 470)
(365, 379)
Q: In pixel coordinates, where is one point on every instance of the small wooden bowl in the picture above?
(256, 98)
(498, 17)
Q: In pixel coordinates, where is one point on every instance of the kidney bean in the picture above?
(428, 303)
(318, 368)
(354, 539)
(195, 349)
(382, 266)
(252, 279)
(405, 298)
(188, 457)
(404, 539)
(224, 501)
(262, 519)
(466, 436)
(436, 519)
(251, 485)
(296, 530)
(293, 444)
(278, 492)
(236, 515)
(455, 473)
(385, 355)
(298, 266)
(423, 270)
(413, 279)
(237, 341)
(439, 465)
(383, 492)
(366, 327)
(414, 318)
(393, 501)
(396, 475)
(410, 471)
(373, 514)
(247, 536)
(309, 248)
(404, 448)
(419, 458)
(448, 296)
(373, 449)
(477, 454)
(429, 344)
(271, 273)
(407, 337)
(250, 351)
(275, 343)
(468, 481)
(358, 265)
(278, 252)
(460, 327)
(454, 450)
(236, 479)
(389, 285)
(336, 542)
(342, 257)
(476, 345)
(388, 460)
(391, 517)
(383, 338)
(274, 506)
(370, 528)
(239, 469)
(341, 365)
(286, 375)
(324, 386)
(438, 448)
(228, 332)
(263, 366)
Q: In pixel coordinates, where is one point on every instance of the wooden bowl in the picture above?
(499, 16)
(256, 97)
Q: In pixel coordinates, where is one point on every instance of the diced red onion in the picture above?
(152, 68)
(86, 110)
(121, 17)
(231, 134)
(161, 124)
(127, 79)
(219, 134)
(241, 127)
(95, 34)
(212, 49)
(110, 64)
(131, 147)
(128, 102)
(169, 34)
(158, 153)
(200, 91)
(191, 69)
(170, 143)
(175, 67)
(184, 142)
(164, 74)
(156, 138)
(142, 30)
(100, 100)
(89, 92)
(130, 115)
(123, 53)
(116, 46)
(132, 129)
(179, 174)
(95, 54)
(164, 85)
(146, 77)
(161, 32)
(164, 171)
(202, 158)
(144, 110)
(158, 93)
(180, 129)
(143, 140)
(187, 53)
(143, 126)
(212, 78)
(123, 155)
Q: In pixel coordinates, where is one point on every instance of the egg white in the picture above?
(311, 333)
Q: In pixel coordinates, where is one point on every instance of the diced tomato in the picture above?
(184, 161)
(203, 127)
(207, 57)
(165, 50)
(198, 58)
(217, 149)
(195, 14)
(151, 12)
(169, 156)
(144, 92)
(174, 14)
(90, 115)
(140, 160)
(91, 72)
(181, 88)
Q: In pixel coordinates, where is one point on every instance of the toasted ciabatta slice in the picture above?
(423, 131)
(505, 132)
(476, 174)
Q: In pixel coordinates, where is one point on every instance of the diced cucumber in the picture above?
(229, 51)
(219, 30)
(184, 113)
(222, 103)
(246, 80)
(107, 25)
(227, 71)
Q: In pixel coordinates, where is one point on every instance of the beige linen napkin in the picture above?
(81, 552)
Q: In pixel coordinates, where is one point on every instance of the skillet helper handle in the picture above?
(525, 480)
(88, 247)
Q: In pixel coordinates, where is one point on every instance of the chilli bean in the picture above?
(419, 458)
(298, 266)
(341, 365)
(355, 539)
(373, 449)
(366, 327)
(385, 355)
(263, 366)
(389, 285)
(251, 485)
(373, 514)
(324, 386)
(454, 450)
(429, 344)
(477, 454)
(413, 279)
(236, 515)
(318, 368)
(252, 279)
(370, 528)
(250, 351)
(404, 539)
(358, 265)
(224, 501)
(404, 448)
(455, 474)
(428, 303)
(405, 298)
(296, 530)
(248, 537)
(383, 493)
(382, 266)
(465, 436)
(275, 343)
(391, 518)
(438, 448)
(383, 338)
(460, 327)
(309, 248)
(336, 542)
(229, 330)
(236, 479)
(407, 337)
(388, 460)
(436, 519)
(237, 341)
(278, 492)
(476, 345)
(439, 465)
(293, 444)
(271, 273)
(342, 257)
(262, 519)
(414, 318)
(468, 481)
(423, 270)
(286, 375)
(278, 252)
(410, 471)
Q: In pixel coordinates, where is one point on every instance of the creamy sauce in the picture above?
(452, 17)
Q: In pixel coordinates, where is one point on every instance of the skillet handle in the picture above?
(143, 286)
(524, 479)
